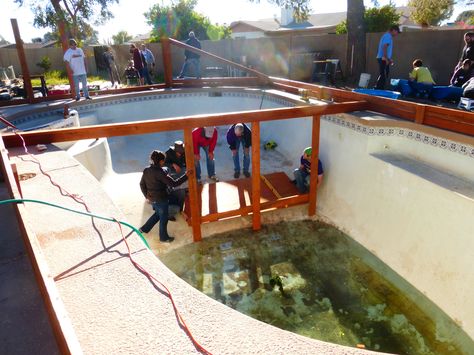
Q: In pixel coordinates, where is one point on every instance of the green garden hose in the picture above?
(3, 202)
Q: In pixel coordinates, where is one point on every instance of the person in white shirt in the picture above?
(76, 62)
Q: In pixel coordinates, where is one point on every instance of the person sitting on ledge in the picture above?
(421, 80)
(303, 172)
(462, 74)
(154, 185)
(469, 89)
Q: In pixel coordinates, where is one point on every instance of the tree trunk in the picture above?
(355, 52)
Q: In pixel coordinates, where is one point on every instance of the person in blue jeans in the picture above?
(302, 173)
(205, 138)
(239, 134)
(154, 184)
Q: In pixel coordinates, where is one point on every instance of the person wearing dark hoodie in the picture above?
(154, 185)
(239, 134)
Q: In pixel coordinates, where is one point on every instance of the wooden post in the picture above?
(256, 218)
(24, 66)
(65, 47)
(167, 65)
(313, 179)
(193, 188)
(420, 114)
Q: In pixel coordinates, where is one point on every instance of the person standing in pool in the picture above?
(154, 185)
(239, 134)
(303, 172)
(205, 138)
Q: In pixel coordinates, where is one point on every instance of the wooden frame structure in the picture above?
(342, 101)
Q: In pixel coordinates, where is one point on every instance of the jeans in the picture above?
(195, 62)
(161, 215)
(302, 180)
(113, 74)
(146, 76)
(83, 79)
(384, 69)
(237, 160)
(211, 169)
(420, 88)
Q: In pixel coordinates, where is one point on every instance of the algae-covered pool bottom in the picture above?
(311, 279)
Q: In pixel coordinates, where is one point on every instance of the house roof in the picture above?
(31, 45)
(315, 21)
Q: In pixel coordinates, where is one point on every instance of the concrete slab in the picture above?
(24, 322)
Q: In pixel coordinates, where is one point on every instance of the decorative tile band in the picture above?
(442, 143)
(151, 97)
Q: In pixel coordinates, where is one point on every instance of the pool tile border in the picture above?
(151, 97)
(442, 143)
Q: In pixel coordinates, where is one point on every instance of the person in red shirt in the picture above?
(205, 138)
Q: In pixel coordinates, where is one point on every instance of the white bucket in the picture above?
(364, 80)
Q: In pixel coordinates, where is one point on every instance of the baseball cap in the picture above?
(308, 151)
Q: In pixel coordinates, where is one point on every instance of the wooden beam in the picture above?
(313, 178)
(65, 47)
(420, 114)
(172, 124)
(192, 184)
(264, 78)
(167, 63)
(22, 57)
(283, 202)
(256, 218)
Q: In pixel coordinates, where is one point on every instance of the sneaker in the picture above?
(172, 219)
(199, 181)
(214, 178)
(247, 174)
(88, 98)
(169, 240)
(78, 98)
(237, 174)
(181, 77)
(141, 231)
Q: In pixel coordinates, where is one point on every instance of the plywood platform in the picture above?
(226, 196)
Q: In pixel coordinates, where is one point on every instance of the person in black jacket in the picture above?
(176, 159)
(191, 58)
(154, 185)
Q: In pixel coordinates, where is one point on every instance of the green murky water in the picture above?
(332, 289)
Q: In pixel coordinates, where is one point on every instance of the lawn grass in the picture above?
(57, 77)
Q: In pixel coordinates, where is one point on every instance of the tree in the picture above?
(78, 15)
(466, 17)
(375, 19)
(179, 19)
(36, 40)
(431, 12)
(121, 37)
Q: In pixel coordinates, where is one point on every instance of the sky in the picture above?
(129, 17)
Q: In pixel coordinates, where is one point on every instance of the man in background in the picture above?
(76, 62)
(191, 58)
(111, 67)
(384, 55)
(149, 58)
